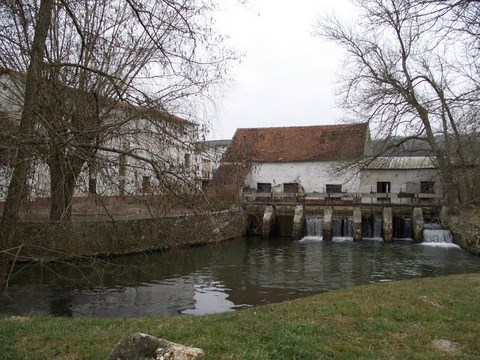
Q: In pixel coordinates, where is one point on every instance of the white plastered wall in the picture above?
(406, 180)
(312, 176)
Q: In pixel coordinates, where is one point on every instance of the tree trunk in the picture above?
(17, 189)
(64, 172)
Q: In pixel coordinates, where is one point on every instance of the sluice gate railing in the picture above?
(342, 198)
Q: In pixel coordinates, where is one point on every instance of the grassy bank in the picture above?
(398, 320)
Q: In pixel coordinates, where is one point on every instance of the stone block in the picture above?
(140, 346)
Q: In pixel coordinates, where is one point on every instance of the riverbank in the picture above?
(464, 223)
(401, 320)
(42, 241)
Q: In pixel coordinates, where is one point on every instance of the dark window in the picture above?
(427, 187)
(187, 160)
(7, 156)
(290, 188)
(384, 187)
(264, 187)
(330, 188)
(146, 186)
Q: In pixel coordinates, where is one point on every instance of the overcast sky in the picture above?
(287, 75)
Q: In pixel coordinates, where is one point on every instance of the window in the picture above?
(384, 187)
(206, 169)
(331, 188)
(264, 187)
(187, 160)
(146, 186)
(427, 187)
(207, 165)
(290, 188)
(6, 157)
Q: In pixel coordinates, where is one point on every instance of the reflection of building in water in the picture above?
(195, 294)
(168, 297)
(210, 296)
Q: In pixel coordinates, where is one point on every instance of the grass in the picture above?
(397, 320)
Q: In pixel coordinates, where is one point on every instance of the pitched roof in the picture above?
(123, 105)
(302, 143)
(402, 163)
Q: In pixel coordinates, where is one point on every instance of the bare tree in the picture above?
(412, 71)
(17, 188)
(90, 69)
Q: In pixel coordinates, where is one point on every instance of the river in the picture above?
(223, 277)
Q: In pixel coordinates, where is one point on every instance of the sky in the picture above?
(287, 75)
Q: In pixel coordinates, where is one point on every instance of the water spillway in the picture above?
(372, 227)
(434, 233)
(321, 223)
(314, 227)
(402, 228)
(343, 227)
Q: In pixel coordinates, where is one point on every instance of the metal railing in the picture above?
(342, 198)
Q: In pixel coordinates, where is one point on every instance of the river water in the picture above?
(219, 278)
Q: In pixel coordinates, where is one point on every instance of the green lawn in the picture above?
(398, 320)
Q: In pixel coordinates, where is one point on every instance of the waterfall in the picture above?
(343, 227)
(402, 228)
(314, 227)
(372, 227)
(433, 233)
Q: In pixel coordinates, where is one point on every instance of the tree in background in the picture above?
(84, 60)
(412, 71)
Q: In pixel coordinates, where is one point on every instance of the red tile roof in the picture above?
(303, 143)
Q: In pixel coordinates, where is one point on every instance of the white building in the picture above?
(208, 156)
(304, 159)
(406, 178)
(320, 161)
(140, 150)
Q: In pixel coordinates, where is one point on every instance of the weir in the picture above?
(372, 227)
(331, 222)
(314, 227)
(434, 233)
(343, 227)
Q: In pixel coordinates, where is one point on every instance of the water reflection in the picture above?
(220, 278)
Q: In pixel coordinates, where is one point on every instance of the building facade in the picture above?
(133, 150)
(208, 157)
(405, 178)
(304, 159)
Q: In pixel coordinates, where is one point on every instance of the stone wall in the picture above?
(465, 227)
(48, 241)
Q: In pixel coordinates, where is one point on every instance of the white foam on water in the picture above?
(306, 239)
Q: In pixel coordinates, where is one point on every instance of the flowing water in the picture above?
(218, 278)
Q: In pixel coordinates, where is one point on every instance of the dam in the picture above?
(353, 218)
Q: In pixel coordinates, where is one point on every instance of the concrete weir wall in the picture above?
(297, 220)
(268, 221)
(417, 225)
(328, 223)
(357, 223)
(49, 241)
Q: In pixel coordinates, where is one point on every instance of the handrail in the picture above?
(253, 196)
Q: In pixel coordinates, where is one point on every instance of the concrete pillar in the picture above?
(387, 224)
(417, 225)
(268, 221)
(328, 223)
(298, 222)
(357, 223)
